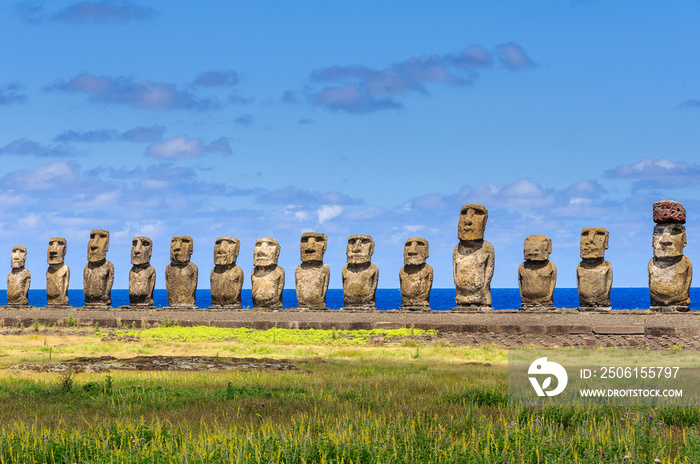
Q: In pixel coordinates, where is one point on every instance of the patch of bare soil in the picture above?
(158, 363)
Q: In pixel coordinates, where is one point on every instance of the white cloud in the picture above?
(328, 212)
(186, 147)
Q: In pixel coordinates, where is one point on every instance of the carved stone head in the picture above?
(57, 250)
(360, 249)
(98, 245)
(313, 246)
(226, 251)
(181, 247)
(141, 249)
(668, 240)
(472, 222)
(537, 248)
(415, 251)
(19, 255)
(266, 253)
(594, 242)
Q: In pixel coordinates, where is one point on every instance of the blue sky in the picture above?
(268, 119)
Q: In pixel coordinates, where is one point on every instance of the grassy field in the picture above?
(354, 399)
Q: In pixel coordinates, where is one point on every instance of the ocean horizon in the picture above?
(441, 299)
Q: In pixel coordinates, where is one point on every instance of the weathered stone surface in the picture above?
(98, 275)
(670, 273)
(181, 274)
(416, 276)
(568, 329)
(142, 276)
(660, 331)
(360, 275)
(19, 278)
(618, 330)
(594, 274)
(58, 273)
(473, 259)
(267, 277)
(311, 277)
(537, 276)
(666, 211)
(226, 278)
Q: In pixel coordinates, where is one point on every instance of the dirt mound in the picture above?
(158, 363)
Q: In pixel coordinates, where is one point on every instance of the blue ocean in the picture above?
(441, 299)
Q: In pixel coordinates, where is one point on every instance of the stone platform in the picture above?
(503, 322)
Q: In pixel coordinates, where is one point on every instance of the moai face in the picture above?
(181, 248)
(472, 222)
(360, 249)
(313, 246)
(668, 240)
(141, 249)
(19, 255)
(98, 245)
(57, 250)
(594, 242)
(266, 252)
(537, 248)
(226, 251)
(415, 251)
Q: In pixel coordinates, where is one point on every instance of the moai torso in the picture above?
(18, 286)
(142, 281)
(594, 280)
(57, 278)
(473, 264)
(311, 277)
(226, 278)
(311, 284)
(537, 276)
(19, 278)
(416, 276)
(594, 274)
(267, 278)
(97, 283)
(360, 284)
(142, 276)
(58, 273)
(360, 275)
(98, 275)
(669, 281)
(670, 272)
(473, 259)
(181, 274)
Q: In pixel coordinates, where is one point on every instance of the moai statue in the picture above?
(142, 276)
(18, 279)
(537, 276)
(58, 273)
(98, 275)
(472, 260)
(267, 277)
(312, 275)
(594, 274)
(670, 273)
(181, 274)
(226, 278)
(416, 276)
(360, 275)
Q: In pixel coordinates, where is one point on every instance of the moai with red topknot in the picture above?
(670, 272)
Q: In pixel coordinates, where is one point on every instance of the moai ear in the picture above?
(605, 244)
(549, 245)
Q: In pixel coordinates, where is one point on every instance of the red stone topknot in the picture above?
(669, 211)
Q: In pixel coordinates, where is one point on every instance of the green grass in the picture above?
(351, 403)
